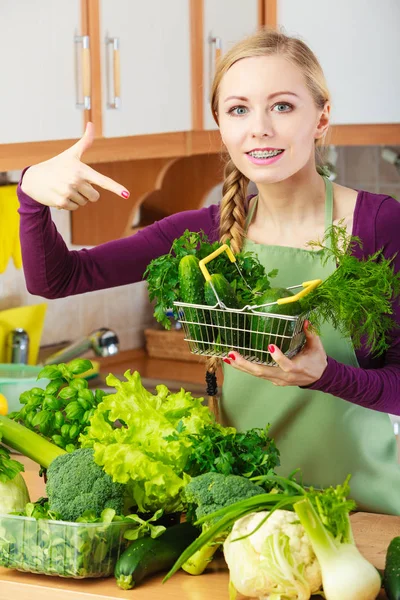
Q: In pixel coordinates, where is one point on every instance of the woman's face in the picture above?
(268, 119)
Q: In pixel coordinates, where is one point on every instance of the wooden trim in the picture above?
(261, 12)
(18, 156)
(196, 51)
(204, 142)
(270, 13)
(165, 145)
(365, 135)
(96, 116)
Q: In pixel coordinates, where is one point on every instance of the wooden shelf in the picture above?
(163, 145)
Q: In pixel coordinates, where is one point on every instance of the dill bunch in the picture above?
(358, 297)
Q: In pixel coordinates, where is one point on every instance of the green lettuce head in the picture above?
(141, 440)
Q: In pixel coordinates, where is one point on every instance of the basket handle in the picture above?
(308, 287)
(203, 261)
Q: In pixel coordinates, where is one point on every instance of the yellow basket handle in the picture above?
(308, 287)
(203, 261)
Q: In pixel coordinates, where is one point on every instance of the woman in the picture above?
(328, 405)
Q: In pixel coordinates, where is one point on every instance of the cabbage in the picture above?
(13, 491)
(14, 495)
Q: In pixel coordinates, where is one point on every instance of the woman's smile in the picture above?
(265, 156)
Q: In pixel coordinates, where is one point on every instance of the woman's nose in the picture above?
(262, 124)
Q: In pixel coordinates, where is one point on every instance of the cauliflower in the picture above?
(276, 562)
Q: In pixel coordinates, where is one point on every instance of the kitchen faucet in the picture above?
(103, 341)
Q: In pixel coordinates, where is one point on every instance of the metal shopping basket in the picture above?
(216, 330)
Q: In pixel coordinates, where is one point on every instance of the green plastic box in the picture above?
(15, 379)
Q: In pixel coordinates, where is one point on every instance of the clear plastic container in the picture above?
(61, 548)
(16, 379)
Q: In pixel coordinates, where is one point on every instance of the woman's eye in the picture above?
(282, 107)
(238, 111)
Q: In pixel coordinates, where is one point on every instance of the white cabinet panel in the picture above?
(154, 41)
(358, 45)
(38, 78)
(230, 21)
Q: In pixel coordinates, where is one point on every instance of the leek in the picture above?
(28, 443)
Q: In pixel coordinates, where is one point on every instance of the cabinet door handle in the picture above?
(215, 52)
(115, 101)
(83, 69)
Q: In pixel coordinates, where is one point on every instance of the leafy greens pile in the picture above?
(358, 297)
(163, 280)
(154, 444)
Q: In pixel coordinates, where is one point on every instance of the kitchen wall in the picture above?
(127, 309)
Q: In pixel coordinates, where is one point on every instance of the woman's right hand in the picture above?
(65, 181)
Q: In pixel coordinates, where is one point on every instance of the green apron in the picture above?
(324, 436)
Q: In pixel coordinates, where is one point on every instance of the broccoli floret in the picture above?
(75, 483)
(206, 494)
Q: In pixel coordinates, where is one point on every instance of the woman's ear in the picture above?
(323, 123)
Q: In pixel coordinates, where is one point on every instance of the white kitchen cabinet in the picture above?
(358, 45)
(225, 23)
(149, 91)
(38, 70)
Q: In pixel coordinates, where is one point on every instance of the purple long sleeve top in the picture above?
(54, 271)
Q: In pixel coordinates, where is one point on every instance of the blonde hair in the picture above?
(265, 42)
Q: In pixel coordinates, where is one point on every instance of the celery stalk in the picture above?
(28, 442)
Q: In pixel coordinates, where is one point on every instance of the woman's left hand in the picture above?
(302, 370)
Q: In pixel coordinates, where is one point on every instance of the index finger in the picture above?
(104, 182)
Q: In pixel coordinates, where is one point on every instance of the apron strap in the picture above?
(250, 215)
(328, 208)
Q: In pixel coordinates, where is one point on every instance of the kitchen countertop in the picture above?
(372, 534)
(173, 373)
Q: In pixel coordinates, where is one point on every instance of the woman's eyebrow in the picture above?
(244, 99)
(281, 94)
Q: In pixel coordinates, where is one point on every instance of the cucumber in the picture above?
(224, 290)
(230, 325)
(191, 282)
(146, 556)
(267, 330)
(391, 577)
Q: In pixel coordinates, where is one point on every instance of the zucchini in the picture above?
(191, 283)
(230, 325)
(146, 555)
(391, 576)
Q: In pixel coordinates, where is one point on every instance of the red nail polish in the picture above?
(271, 348)
(125, 194)
(232, 356)
(306, 324)
(227, 361)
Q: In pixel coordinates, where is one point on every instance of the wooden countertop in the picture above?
(164, 369)
(372, 533)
